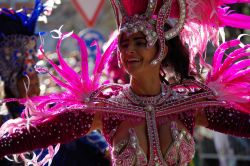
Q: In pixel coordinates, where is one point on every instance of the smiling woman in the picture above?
(135, 56)
(149, 121)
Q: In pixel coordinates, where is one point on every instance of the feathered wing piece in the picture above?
(204, 22)
(77, 87)
(230, 78)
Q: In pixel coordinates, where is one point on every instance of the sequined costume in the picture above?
(172, 113)
(176, 102)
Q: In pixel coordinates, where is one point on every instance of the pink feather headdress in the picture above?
(196, 21)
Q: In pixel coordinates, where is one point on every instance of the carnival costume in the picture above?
(224, 98)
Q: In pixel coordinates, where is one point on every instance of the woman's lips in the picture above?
(133, 60)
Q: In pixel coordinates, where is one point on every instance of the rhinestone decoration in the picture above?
(179, 26)
(152, 26)
(139, 23)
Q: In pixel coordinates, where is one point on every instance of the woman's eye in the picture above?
(141, 43)
(124, 45)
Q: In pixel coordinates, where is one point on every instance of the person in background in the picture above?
(18, 49)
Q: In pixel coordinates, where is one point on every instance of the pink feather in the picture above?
(78, 86)
(230, 79)
(202, 27)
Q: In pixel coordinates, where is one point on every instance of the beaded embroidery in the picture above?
(150, 23)
(129, 152)
(173, 100)
(18, 55)
(148, 101)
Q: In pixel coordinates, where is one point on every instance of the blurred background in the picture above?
(95, 21)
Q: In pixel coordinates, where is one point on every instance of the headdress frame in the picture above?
(149, 17)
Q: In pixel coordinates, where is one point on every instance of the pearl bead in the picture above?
(149, 108)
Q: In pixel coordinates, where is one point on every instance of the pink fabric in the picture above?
(129, 152)
(132, 7)
(228, 121)
(63, 127)
(71, 124)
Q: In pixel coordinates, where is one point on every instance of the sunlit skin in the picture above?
(136, 59)
(34, 87)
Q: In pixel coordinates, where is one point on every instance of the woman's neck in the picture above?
(146, 85)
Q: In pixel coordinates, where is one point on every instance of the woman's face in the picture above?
(34, 88)
(135, 56)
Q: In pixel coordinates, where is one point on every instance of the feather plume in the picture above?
(230, 78)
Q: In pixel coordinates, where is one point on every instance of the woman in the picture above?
(18, 56)
(148, 121)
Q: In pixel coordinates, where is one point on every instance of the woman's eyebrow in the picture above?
(123, 40)
(134, 38)
(139, 38)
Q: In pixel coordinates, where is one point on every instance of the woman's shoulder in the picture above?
(108, 90)
(189, 86)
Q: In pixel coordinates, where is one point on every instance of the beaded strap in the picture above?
(144, 101)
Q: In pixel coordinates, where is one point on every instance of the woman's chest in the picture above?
(139, 130)
(150, 140)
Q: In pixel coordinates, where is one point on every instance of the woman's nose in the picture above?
(131, 49)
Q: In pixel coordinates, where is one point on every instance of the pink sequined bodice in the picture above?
(155, 111)
(129, 152)
(175, 103)
(136, 126)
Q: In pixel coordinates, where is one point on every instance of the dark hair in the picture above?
(177, 59)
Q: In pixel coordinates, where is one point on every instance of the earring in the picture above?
(119, 59)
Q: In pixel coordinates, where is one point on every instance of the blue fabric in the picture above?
(88, 151)
(10, 20)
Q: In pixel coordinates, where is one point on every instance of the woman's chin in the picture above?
(134, 72)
